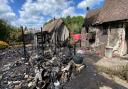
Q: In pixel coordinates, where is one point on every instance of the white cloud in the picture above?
(6, 12)
(33, 21)
(89, 3)
(35, 12)
(69, 11)
(48, 7)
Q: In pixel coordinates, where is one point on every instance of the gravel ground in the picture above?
(90, 79)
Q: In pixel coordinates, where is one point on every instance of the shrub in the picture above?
(3, 45)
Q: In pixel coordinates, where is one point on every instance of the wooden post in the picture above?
(64, 37)
(109, 33)
(55, 41)
(43, 39)
(23, 40)
(74, 49)
(80, 42)
(80, 37)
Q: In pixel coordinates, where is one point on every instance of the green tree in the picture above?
(8, 33)
(4, 30)
(14, 36)
(74, 23)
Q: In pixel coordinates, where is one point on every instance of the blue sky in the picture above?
(34, 13)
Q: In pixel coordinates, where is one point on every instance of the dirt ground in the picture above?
(90, 79)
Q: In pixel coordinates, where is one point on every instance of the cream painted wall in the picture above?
(116, 40)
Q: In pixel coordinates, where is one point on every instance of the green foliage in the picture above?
(8, 33)
(74, 24)
(4, 30)
(15, 33)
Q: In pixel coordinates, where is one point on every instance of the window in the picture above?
(105, 30)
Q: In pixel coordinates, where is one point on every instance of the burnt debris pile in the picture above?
(48, 66)
(14, 70)
(53, 70)
(50, 71)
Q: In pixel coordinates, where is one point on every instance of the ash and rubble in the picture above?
(50, 71)
(14, 70)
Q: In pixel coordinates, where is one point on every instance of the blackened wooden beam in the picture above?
(43, 39)
(24, 45)
(55, 41)
(80, 42)
(74, 49)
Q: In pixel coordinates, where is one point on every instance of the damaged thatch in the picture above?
(52, 25)
(113, 10)
(91, 17)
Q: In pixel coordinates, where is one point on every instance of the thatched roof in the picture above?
(91, 17)
(113, 10)
(52, 25)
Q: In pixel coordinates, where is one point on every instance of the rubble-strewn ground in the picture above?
(15, 74)
(13, 70)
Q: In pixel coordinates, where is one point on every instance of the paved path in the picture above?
(90, 79)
